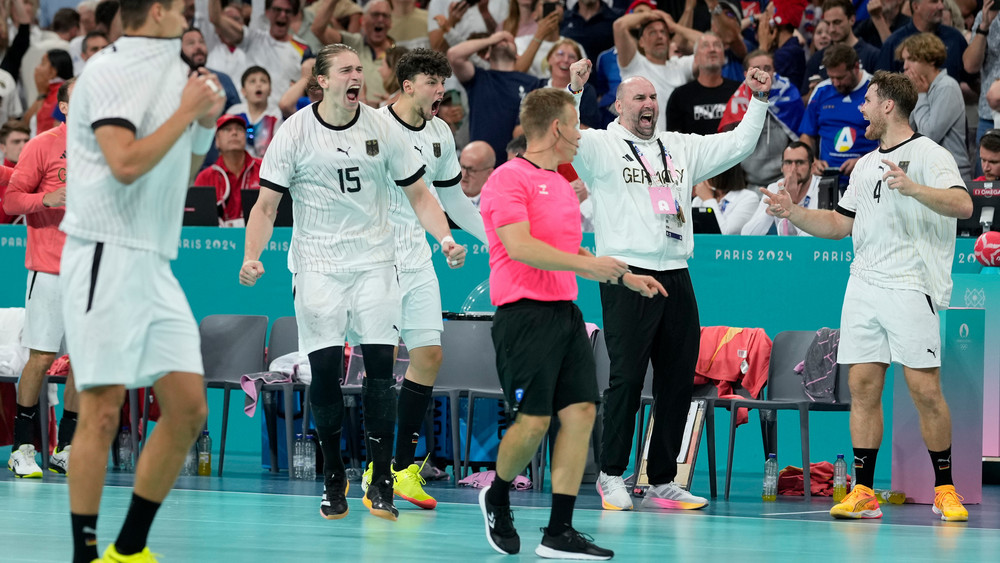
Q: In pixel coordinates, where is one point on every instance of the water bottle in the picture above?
(190, 466)
(309, 458)
(891, 497)
(126, 457)
(770, 493)
(205, 454)
(839, 479)
(298, 458)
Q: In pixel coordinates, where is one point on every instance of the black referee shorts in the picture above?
(544, 357)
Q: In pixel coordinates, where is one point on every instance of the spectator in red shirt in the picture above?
(13, 135)
(56, 67)
(234, 170)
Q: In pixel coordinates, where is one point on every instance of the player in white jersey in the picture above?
(335, 159)
(900, 207)
(139, 123)
(421, 74)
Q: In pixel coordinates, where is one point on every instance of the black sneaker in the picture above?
(500, 530)
(378, 499)
(334, 503)
(571, 545)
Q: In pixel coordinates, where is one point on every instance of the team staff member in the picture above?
(641, 183)
(38, 191)
(335, 159)
(544, 358)
(900, 209)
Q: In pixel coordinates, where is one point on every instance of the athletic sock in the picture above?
(132, 538)
(24, 425)
(67, 426)
(942, 467)
(329, 444)
(411, 409)
(84, 537)
(864, 466)
(380, 455)
(499, 493)
(561, 517)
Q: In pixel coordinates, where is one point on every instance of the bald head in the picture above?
(477, 161)
(637, 107)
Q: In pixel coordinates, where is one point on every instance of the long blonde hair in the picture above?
(513, 21)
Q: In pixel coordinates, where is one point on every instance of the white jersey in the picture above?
(339, 180)
(676, 72)
(135, 83)
(898, 241)
(436, 147)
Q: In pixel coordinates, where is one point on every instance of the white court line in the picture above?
(793, 513)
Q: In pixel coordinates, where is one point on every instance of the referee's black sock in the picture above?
(135, 530)
(411, 408)
(84, 537)
(561, 517)
(499, 493)
(864, 466)
(942, 467)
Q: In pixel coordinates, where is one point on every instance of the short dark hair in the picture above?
(990, 140)
(254, 70)
(134, 12)
(326, 54)
(64, 20)
(801, 145)
(897, 87)
(295, 5)
(105, 13)
(839, 54)
(13, 126)
(92, 35)
(519, 144)
(422, 61)
(541, 107)
(62, 62)
(62, 95)
(846, 5)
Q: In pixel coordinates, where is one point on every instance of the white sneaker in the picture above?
(614, 493)
(671, 495)
(22, 463)
(59, 461)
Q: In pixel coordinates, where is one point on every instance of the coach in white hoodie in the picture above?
(640, 180)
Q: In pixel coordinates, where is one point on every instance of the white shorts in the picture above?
(127, 319)
(422, 325)
(880, 325)
(331, 308)
(43, 316)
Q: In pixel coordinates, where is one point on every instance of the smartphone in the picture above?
(548, 8)
(471, 2)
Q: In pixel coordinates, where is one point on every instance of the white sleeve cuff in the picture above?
(202, 139)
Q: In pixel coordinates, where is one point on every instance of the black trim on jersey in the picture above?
(963, 188)
(116, 121)
(357, 114)
(405, 124)
(533, 164)
(412, 179)
(138, 36)
(448, 183)
(930, 303)
(273, 187)
(31, 287)
(845, 212)
(98, 250)
(913, 138)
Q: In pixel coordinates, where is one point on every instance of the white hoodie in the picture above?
(625, 226)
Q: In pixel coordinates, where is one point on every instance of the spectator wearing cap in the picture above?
(233, 171)
(926, 19)
(840, 16)
(649, 56)
(607, 76)
(776, 33)
(589, 23)
(989, 156)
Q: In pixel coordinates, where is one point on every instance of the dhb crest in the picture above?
(371, 147)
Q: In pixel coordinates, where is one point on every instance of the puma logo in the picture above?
(859, 461)
(344, 151)
(376, 440)
(932, 352)
(419, 150)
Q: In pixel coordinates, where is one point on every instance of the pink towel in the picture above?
(483, 479)
(251, 384)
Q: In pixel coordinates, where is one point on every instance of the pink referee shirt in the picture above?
(519, 191)
(40, 170)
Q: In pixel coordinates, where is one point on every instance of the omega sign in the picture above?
(986, 192)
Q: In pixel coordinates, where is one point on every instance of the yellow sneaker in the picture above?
(948, 504)
(861, 503)
(366, 479)
(111, 555)
(408, 485)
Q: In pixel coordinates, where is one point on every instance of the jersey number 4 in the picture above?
(877, 194)
(350, 175)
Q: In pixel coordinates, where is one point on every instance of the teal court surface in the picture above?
(250, 515)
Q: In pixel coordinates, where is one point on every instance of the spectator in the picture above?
(520, 19)
(10, 101)
(800, 183)
(261, 115)
(607, 75)
(477, 161)
(989, 155)
(235, 170)
(451, 23)
(91, 43)
(983, 56)
(821, 38)
(884, 17)
(223, 55)
(922, 56)
(85, 10)
(727, 18)
(371, 44)
(516, 146)
(107, 18)
(590, 23)
(387, 72)
(195, 52)
(726, 195)
(952, 17)
(559, 58)
(697, 107)
(495, 94)
(55, 68)
(13, 136)
(409, 24)
(48, 9)
(346, 17)
(649, 57)
(532, 49)
(833, 124)
(926, 19)
(777, 34)
(303, 92)
(452, 112)
(65, 26)
(839, 15)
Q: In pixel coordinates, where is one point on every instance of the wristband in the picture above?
(572, 91)
(446, 240)
(201, 140)
(621, 278)
(980, 31)
(536, 40)
(762, 96)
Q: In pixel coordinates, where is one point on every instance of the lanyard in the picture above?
(668, 163)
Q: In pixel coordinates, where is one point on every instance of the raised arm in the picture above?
(229, 30)
(546, 27)
(321, 27)
(975, 53)
(952, 202)
(459, 56)
(624, 42)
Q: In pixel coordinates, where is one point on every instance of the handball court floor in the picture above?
(250, 515)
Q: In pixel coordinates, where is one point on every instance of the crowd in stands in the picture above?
(820, 54)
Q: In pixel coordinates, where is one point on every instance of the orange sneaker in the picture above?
(948, 504)
(860, 503)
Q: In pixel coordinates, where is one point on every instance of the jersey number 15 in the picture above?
(350, 175)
